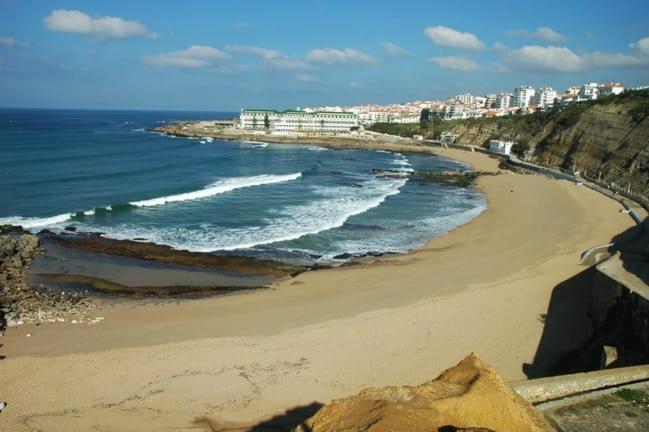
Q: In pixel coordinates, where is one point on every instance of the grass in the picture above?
(638, 398)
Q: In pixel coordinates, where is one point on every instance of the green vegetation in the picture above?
(517, 126)
(638, 398)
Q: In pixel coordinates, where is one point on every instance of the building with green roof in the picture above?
(298, 121)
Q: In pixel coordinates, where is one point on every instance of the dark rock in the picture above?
(71, 228)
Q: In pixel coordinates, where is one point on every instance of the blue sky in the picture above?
(223, 55)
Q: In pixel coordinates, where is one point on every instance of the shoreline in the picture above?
(272, 270)
(323, 334)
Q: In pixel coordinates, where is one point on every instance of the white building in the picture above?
(466, 98)
(294, 121)
(406, 119)
(503, 101)
(502, 147)
(545, 97)
(588, 92)
(522, 96)
(610, 89)
(490, 101)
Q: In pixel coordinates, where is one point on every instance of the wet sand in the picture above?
(324, 334)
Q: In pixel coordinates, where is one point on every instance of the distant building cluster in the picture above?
(523, 99)
(346, 119)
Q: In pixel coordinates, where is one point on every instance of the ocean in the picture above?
(102, 171)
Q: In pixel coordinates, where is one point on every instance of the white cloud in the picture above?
(392, 49)
(306, 78)
(642, 45)
(355, 84)
(264, 53)
(499, 46)
(273, 58)
(11, 42)
(455, 63)
(446, 36)
(194, 57)
(288, 63)
(104, 27)
(332, 56)
(499, 67)
(545, 33)
(562, 59)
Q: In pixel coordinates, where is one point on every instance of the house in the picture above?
(502, 147)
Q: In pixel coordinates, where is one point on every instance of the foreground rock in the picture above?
(19, 303)
(469, 396)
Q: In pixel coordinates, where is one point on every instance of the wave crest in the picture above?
(218, 187)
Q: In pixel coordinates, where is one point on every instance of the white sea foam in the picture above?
(261, 145)
(33, 222)
(215, 188)
(219, 187)
(337, 205)
(294, 222)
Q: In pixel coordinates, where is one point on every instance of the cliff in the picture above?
(610, 136)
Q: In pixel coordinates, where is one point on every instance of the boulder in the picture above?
(470, 396)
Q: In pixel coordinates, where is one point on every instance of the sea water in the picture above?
(105, 171)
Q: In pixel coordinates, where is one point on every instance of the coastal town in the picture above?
(329, 216)
(337, 119)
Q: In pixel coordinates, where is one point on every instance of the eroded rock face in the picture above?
(469, 396)
(607, 139)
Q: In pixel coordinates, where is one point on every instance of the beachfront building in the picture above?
(545, 97)
(523, 96)
(296, 121)
(502, 147)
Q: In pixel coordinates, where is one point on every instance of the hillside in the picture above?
(610, 135)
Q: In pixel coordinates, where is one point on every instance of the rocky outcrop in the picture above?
(19, 303)
(607, 138)
(468, 397)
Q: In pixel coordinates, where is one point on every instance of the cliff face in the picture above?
(610, 137)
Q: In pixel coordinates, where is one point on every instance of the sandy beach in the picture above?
(482, 288)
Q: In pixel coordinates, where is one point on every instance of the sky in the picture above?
(225, 55)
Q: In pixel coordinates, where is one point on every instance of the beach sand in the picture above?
(482, 288)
